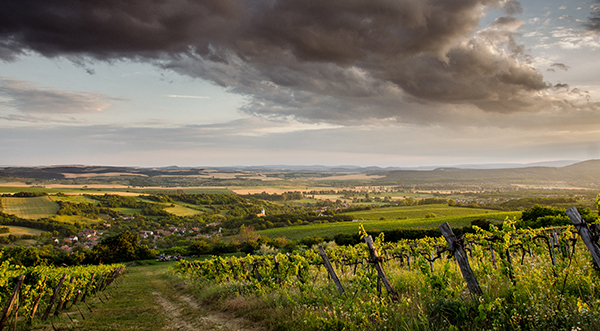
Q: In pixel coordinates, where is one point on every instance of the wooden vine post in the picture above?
(14, 298)
(54, 297)
(461, 259)
(585, 233)
(329, 268)
(376, 259)
(37, 302)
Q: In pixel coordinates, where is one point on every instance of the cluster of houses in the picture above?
(87, 238)
(321, 210)
(145, 234)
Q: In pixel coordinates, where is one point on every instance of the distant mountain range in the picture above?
(563, 173)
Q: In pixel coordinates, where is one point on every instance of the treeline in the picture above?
(521, 203)
(286, 196)
(25, 194)
(282, 220)
(209, 199)
(545, 216)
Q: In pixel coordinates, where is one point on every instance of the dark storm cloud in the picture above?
(561, 66)
(315, 60)
(593, 23)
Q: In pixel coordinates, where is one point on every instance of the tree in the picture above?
(121, 248)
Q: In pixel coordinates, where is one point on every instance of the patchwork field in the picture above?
(30, 208)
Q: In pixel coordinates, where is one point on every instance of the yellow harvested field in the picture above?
(348, 177)
(105, 174)
(125, 194)
(278, 190)
(64, 186)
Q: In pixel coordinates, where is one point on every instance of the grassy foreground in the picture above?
(147, 297)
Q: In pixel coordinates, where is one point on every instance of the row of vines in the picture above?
(543, 279)
(34, 293)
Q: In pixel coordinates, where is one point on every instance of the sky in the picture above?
(197, 83)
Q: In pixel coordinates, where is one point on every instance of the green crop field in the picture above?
(74, 199)
(30, 208)
(76, 219)
(416, 212)
(181, 210)
(20, 230)
(331, 229)
(128, 211)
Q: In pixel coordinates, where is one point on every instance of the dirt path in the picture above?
(148, 299)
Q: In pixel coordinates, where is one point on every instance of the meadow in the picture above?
(422, 211)
(30, 208)
(331, 229)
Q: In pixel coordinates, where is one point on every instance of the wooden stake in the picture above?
(376, 260)
(585, 233)
(37, 302)
(329, 268)
(14, 298)
(461, 258)
(54, 296)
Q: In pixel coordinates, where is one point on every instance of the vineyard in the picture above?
(37, 293)
(502, 279)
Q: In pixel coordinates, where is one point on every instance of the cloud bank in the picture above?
(34, 101)
(338, 61)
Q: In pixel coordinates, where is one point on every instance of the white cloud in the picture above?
(27, 98)
(187, 96)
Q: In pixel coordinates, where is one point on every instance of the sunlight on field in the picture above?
(19, 231)
(76, 219)
(331, 229)
(73, 199)
(183, 211)
(415, 212)
(30, 208)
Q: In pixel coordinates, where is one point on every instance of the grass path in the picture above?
(148, 298)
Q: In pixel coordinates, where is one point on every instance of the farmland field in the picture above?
(181, 210)
(76, 219)
(416, 212)
(20, 230)
(30, 208)
(331, 229)
(74, 199)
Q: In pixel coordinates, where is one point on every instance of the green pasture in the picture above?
(422, 211)
(30, 208)
(180, 210)
(199, 208)
(76, 219)
(128, 211)
(74, 199)
(331, 229)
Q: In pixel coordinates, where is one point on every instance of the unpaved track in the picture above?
(147, 299)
